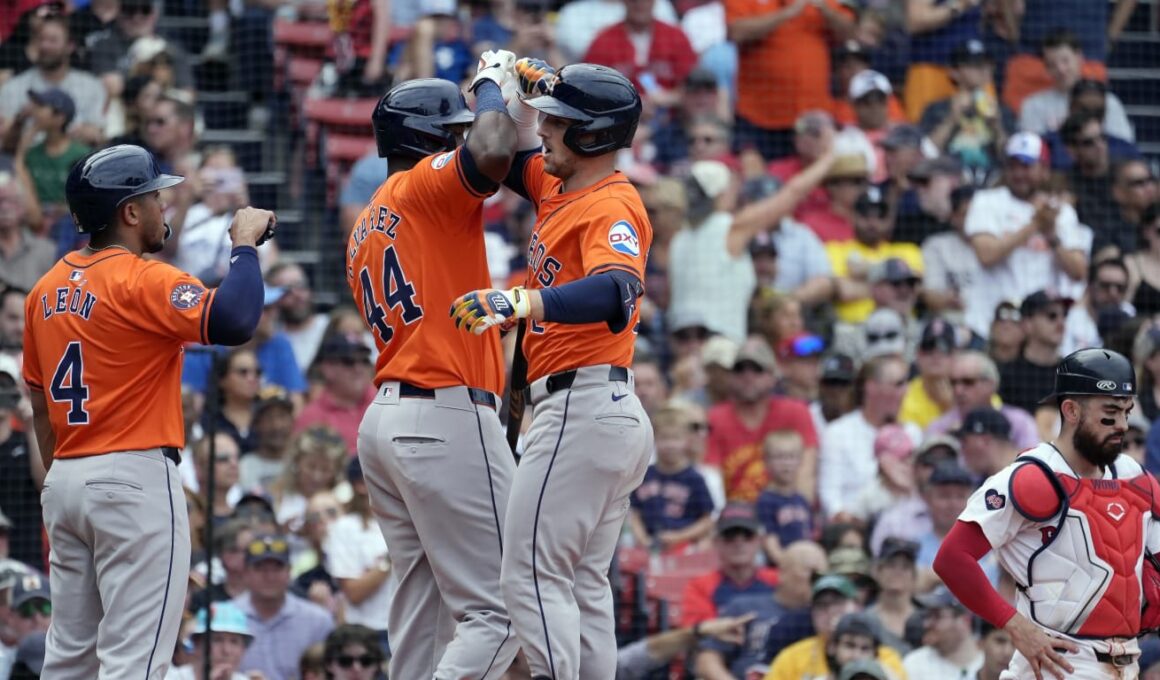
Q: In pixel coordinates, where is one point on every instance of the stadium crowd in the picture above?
(878, 227)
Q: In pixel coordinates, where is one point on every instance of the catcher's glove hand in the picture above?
(479, 310)
(534, 77)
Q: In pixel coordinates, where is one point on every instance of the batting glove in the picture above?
(496, 66)
(534, 77)
(479, 310)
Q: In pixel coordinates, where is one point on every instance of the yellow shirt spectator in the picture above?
(843, 254)
(806, 660)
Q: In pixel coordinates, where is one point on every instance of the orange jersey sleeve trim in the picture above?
(601, 268)
(205, 315)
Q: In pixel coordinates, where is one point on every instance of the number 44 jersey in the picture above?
(103, 339)
(415, 247)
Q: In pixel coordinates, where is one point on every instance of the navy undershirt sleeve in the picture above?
(237, 305)
(481, 183)
(515, 176)
(590, 300)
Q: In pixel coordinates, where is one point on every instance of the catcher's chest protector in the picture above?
(1085, 580)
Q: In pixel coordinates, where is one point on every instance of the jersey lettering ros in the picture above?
(103, 340)
(598, 229)
(1084, 579)
(416, 246)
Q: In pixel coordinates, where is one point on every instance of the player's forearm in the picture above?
(42, 428)
(237, 304)
(957, 564)
(592, 299)
(492, 141)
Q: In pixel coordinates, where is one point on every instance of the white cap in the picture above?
(146, 48)
(868, 81)
(1025, 146)
(719, 350)
(885, 333)
(712, 176)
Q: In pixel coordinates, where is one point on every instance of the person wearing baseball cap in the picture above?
(952, 650)
(230, 637)
(1026, 237)
(344, 362)
(851, 57)
(869, 92)
(986, 442)
(799, 357)
(838, 620)
(1024, 381)
(49, 160)
(929, 394)
(835, 390)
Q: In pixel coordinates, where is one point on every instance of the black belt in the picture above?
(478, 396)
(172, 454)
(1118, 660)
(564, 380)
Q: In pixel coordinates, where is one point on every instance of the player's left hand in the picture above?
(479, 310)
(498, 66)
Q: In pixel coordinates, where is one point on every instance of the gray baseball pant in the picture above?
(119, 565)
(587, 449)
(439, 472)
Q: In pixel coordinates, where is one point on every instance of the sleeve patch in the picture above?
(623, 238)
(186, 296)
(439, 162)
(994, 500)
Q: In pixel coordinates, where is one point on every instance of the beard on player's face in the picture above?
(1098, 445)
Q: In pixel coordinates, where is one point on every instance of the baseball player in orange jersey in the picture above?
(432, 448)
(103, 337)
(589, 442)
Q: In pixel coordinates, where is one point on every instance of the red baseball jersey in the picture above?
(103, 340)
(415, 248)
(600, 228)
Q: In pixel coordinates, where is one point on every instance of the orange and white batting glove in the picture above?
(480, 310)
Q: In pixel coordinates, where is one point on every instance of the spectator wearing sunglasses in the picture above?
(1006, 339)
(1134, 190)
(737, 427)
(109, 56)
(347, 388)
(1104, 304)
(799, 357)
(31, 604)
(1090, 178)
(283, 624)
(1031, 376)
(974, 380)
(853, 259)
(351, 653)
(227, 643)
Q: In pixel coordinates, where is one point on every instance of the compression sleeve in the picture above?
(587, 300)
(957, 564)
(515, 176)
(237, 305)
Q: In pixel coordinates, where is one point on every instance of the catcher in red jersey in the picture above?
(103, 338)
(590, 440)
(1071, 521)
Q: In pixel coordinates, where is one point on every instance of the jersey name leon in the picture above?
(543, 269)
(75, 303)
(385, 221)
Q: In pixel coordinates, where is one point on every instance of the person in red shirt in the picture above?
(738, 540)
(738, 427)
(656, 56)
(347, 388)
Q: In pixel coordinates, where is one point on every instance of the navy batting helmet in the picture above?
(1098, 372)
(412, 119)
(601, 101)
(99, 183)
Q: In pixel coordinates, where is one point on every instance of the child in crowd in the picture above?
(782, 510)
(672, 508)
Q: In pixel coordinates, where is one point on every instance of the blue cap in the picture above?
(227, 618)
(272, 295)
(56, 99)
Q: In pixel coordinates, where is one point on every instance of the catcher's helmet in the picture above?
(412, 118)
(99, 183)
(601, 101)
(1099, 372)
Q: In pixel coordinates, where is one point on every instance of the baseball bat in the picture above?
(517, 389)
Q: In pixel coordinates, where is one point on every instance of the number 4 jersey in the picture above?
(103, 340)
(415, 248)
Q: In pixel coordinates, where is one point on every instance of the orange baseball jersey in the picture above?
(415, 247)
(581, 233)
(103, 340)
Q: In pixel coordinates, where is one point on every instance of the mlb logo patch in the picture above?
(623, 239)
(994, 500)
(76, 275)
